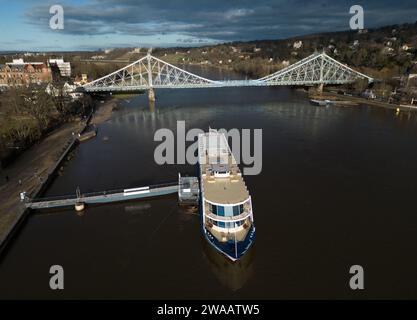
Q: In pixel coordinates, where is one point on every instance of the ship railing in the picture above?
(241, 216)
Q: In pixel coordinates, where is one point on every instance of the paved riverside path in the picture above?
(42, 158)
(31, 168)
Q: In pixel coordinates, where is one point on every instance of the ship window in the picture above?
(213, 209)
(220, 211)
(237, 210)
(221, 224)
(214, 222)
(228, 211)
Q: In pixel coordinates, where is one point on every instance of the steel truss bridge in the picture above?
(151, 73)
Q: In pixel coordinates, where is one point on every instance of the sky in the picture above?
(94, 24)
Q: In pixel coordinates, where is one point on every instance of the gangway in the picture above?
(102, 196)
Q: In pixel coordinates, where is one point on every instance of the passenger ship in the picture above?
(226, 207)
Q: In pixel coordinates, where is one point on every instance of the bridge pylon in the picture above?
(320, 88)
(151, 94)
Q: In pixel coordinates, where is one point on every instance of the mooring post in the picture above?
(151, 94)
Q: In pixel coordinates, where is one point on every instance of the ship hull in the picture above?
(227, 249)
(233, 251)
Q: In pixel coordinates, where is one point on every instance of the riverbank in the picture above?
(353, 100)
(35, 166)
(103, 112)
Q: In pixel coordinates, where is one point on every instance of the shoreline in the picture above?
(36, 168)
(363, 101)
(103, 111)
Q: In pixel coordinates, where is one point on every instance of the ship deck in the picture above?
(227, 188)
(238, 235)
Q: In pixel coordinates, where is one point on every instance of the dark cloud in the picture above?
(215, 20)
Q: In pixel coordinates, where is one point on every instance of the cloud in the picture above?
(215, 20)
(238, 13)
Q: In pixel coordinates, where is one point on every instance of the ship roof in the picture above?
(222, 180)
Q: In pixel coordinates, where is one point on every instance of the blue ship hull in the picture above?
(230, 249)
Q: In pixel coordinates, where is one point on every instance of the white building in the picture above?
(16, 61)
(388, 50)
(297, 44)
(234, 49)
(64, 67)
(285, 63)
(369, 94)
(406, 47)
(21, 62)
(67, 90)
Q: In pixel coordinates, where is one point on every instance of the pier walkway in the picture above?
(103, 196)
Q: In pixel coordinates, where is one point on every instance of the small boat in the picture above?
(320, 103)
(87, 135)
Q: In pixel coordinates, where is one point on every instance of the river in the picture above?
(337, 189)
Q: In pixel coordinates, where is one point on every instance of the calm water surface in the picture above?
(337, 188)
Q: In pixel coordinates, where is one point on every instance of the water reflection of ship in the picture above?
(232, 275)
(185, 215)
